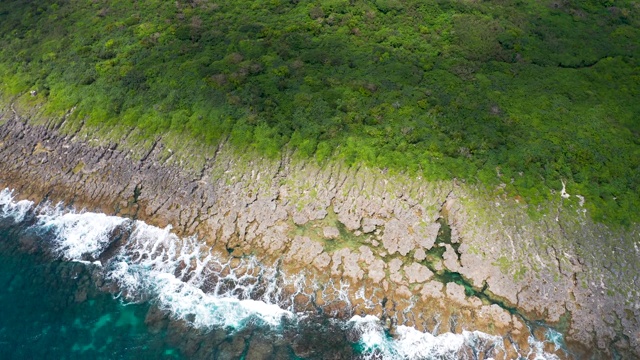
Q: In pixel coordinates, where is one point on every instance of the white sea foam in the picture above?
(555, 338)
(413, 344)
(373, 338)
(409, 343)
(157, 265)
(14, 209)
(188, 302)
(536, 350)
(171, 271)
(79, 234)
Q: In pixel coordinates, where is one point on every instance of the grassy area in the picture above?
(525, 93)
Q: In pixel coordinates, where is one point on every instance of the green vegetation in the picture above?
(525, 93)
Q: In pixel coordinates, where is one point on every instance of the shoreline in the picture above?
(379, 233)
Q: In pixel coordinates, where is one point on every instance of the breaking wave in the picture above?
(409, 343)
(10, 209)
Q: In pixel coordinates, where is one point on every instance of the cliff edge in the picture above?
(418, 253)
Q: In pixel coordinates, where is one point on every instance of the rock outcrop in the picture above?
(423, 253)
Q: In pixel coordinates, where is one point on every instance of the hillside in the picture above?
(518, 96)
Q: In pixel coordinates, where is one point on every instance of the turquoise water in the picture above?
(51, 310)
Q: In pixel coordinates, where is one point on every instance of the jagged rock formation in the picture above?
(430, 255)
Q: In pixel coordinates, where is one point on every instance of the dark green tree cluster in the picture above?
(524, 93)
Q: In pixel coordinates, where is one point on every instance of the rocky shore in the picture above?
(433, 255)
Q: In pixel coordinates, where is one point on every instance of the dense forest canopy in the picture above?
(526, 94)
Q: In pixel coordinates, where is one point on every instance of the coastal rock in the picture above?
(272, 239)
(330, 232)
(502, 285)
(396, 238)
(451, 259)
(560, 266)
(303, 250)
(349, 262)
(496, 315)
(394, 271)
(455, 293)
(417, 273)
(366, 255)
(351, 267)
(426, 235)
(322, 261)
(432, 289)
(472, 267)
(376, 270)
(403, 292)
(369, 225)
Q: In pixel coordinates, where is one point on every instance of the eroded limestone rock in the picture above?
(451, 258)
(303, 250)
(417, 273)
(455, 293)
(432, 289)
(330, 232)
(496, 315)
(376, 270)
(394, 271)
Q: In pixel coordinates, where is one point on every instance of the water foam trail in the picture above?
(156, 265)
(77, 235)
(536, 349)
(409, 343)
(17, 210)
(375, 342)
(159, 265)
(555, 338)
